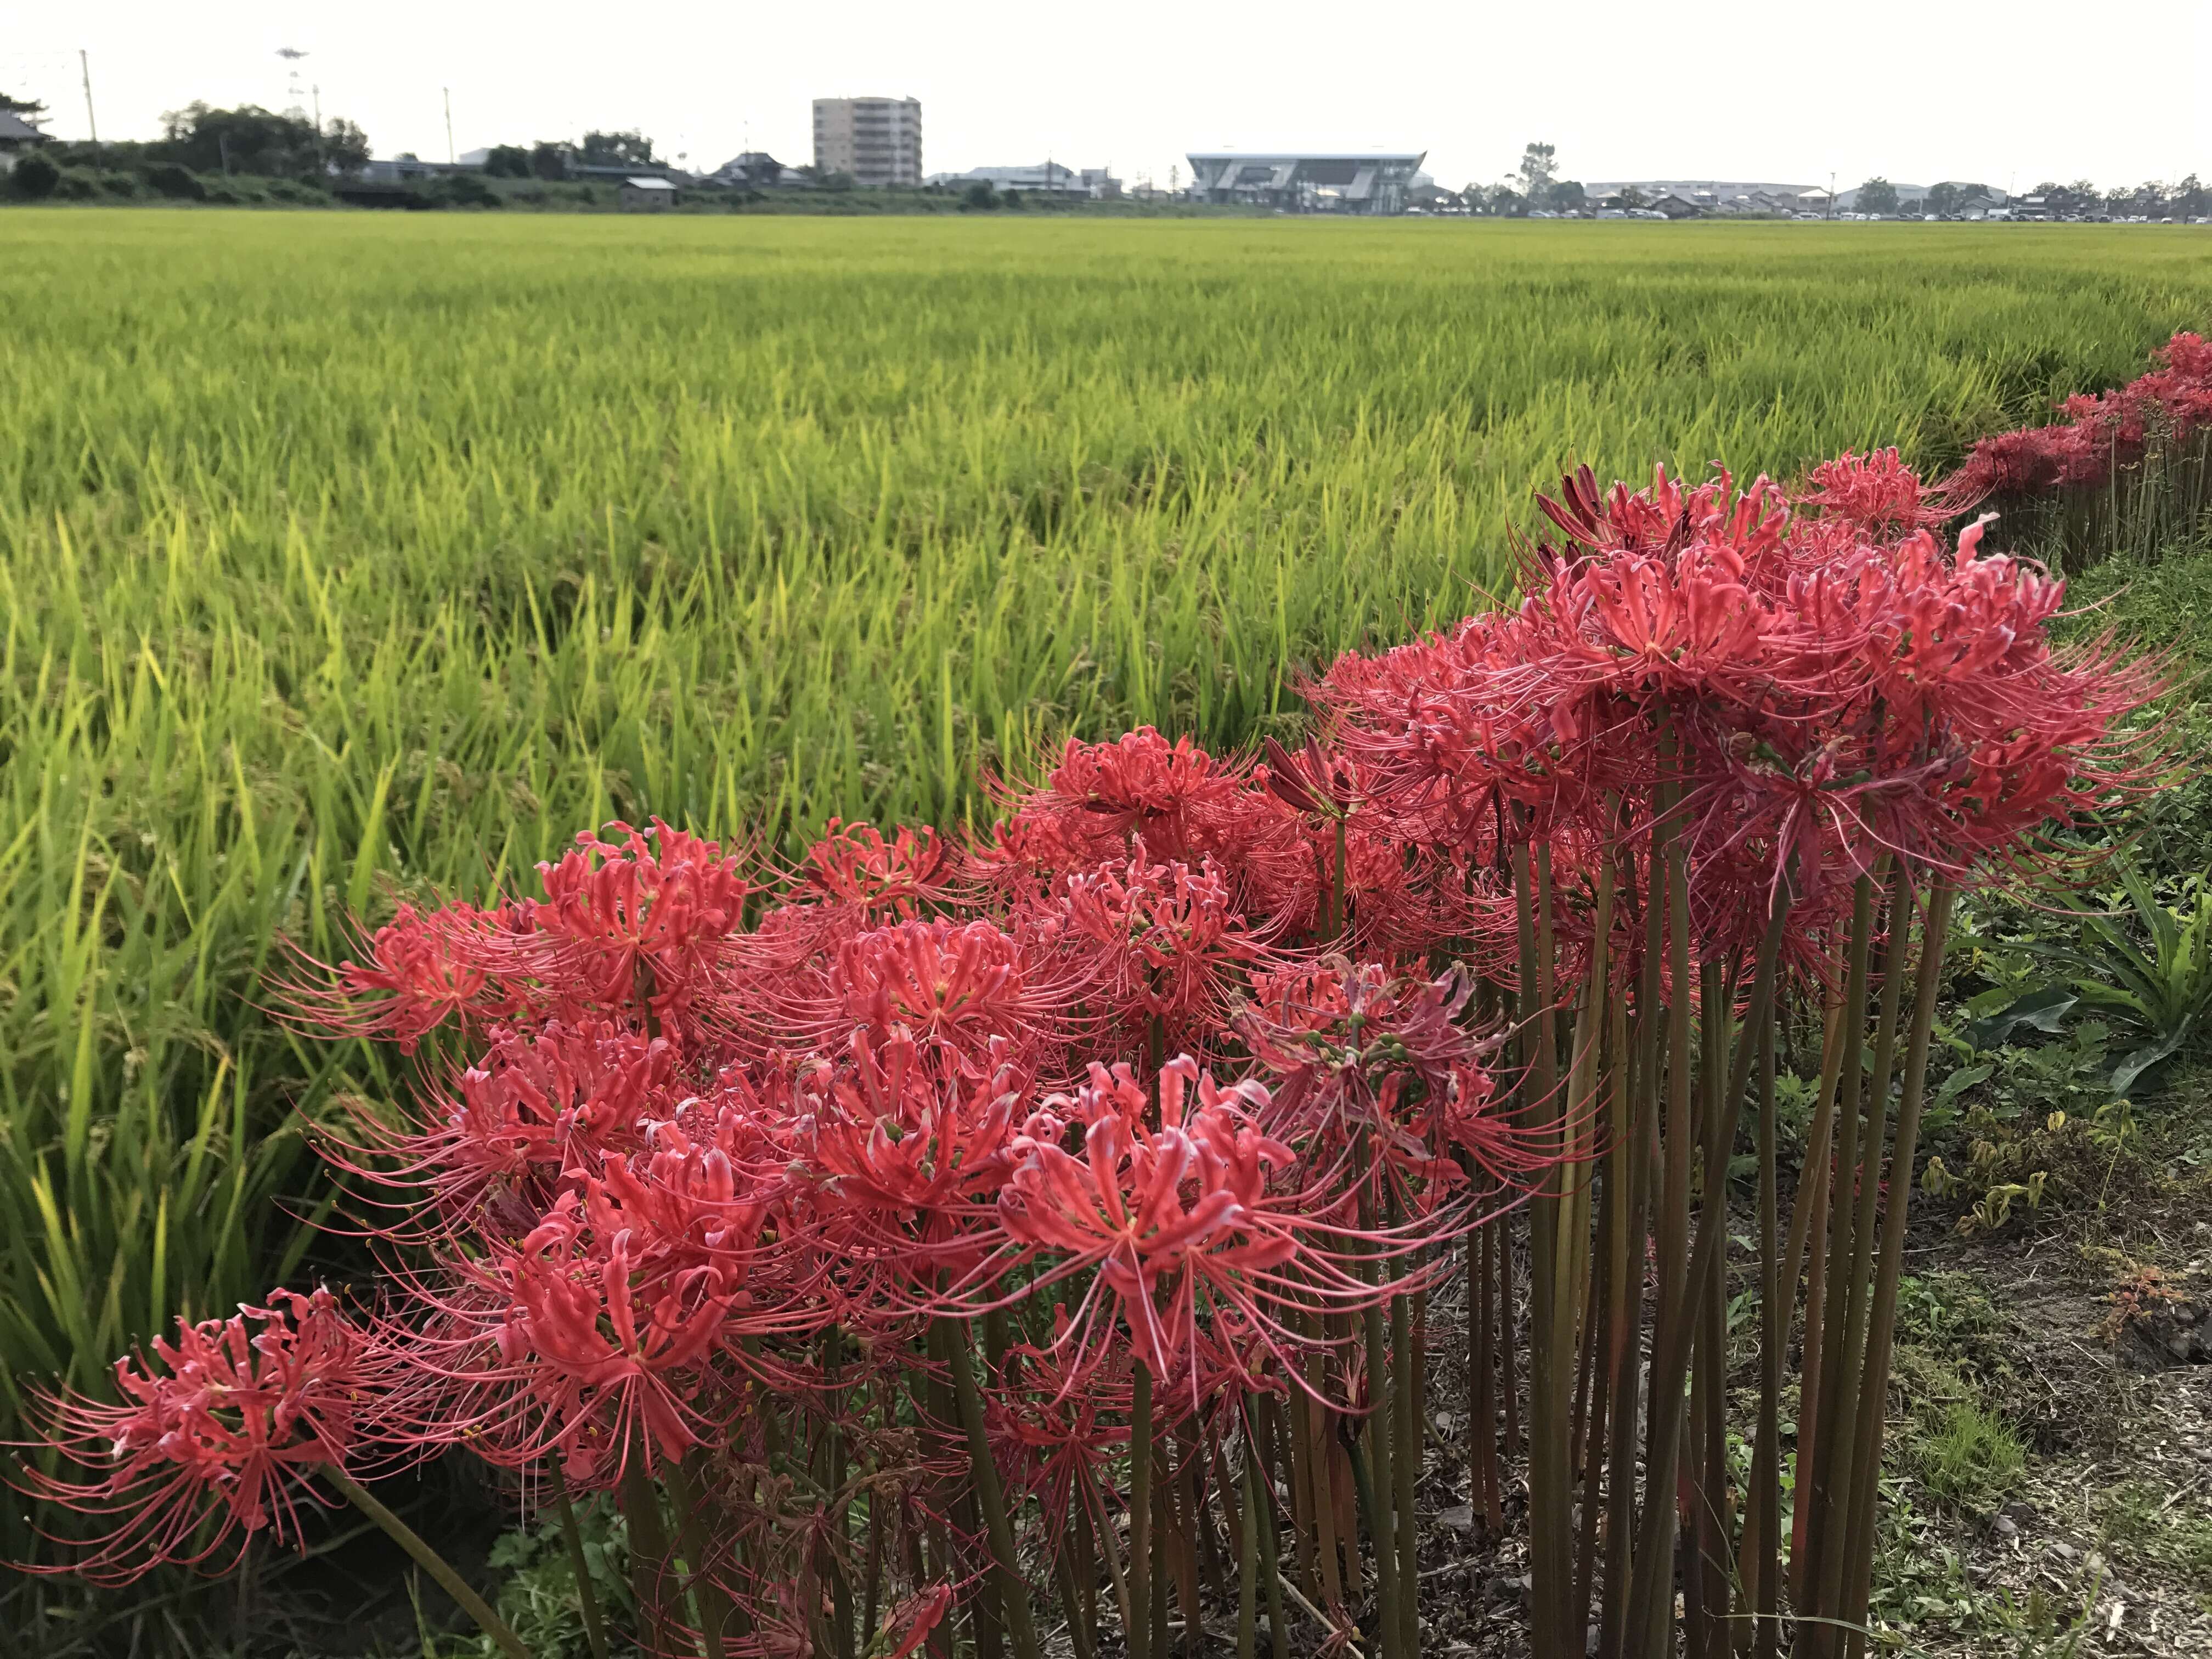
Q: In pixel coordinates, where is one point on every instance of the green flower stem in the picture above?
(429, 1560)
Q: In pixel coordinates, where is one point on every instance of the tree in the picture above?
(1538, 166)
(252, 140)
(1877, 195)
(2191, 197)
(1631, 197)
(1507, 202)
(463, 189)
(29, 108)
(35, 177)
(549, 161)
(508, 162)
(1944, 198)
(1565, 197)
(979, 197)
(345, 146)
(630, 149)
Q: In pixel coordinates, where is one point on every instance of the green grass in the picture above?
(342, 554)
(1969, 1455)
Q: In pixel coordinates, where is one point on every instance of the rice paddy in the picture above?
(344, 556)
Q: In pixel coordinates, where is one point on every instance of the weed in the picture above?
(1969, 1456)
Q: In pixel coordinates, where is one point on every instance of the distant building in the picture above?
(404, 169)
(1710, 195)
(756, 169)
(18, 138)
(877, 141)
(1047, 178)
(1307, 181)
(647, 195)
(618, 174)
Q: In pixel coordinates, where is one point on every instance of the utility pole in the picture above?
(1832, 193)
(84, 64)
(448, 91)
(318, 94)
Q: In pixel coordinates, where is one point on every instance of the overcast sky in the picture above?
(1916, 90)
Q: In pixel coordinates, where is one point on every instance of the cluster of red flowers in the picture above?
(1791, 696)
(1170, 1072)
(2101, 431)
(703, 1150)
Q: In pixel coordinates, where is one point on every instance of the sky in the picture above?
(1914, 90)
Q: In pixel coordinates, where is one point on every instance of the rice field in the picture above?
(343, 556)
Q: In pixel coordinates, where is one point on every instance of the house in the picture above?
(405, 168)
(754, 169)
(618, 174)
(1675, 206)
(18, 138)
(652, 195)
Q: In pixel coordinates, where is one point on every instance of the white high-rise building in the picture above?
(877, 140)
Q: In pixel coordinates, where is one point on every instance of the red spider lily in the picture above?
(225, 1430)
(424, 969)
(2100, 432)
(899, 1148)
(589, 1338)
(955, 988)
(659, 902)
(1330, 1035)
(1158, 942)
(1320, 844)
(1662, 519)
(1876, 492)
(539, 1107)
(854, 864)
(1177, 1221)
(1137, 796)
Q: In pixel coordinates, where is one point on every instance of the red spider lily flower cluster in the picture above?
(1795, 695)
(2101, 431)
(699, 1154)
(1176, 1074)
(223, 1429)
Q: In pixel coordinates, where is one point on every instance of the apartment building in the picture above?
(877, 140)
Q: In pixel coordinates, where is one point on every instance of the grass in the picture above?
(346, 555)
(1969, 1455)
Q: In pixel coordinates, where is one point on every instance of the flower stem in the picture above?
(1248, 1567)
(1137, 1616)
(429, 1560)
(588, 1593)
(1013, 1593)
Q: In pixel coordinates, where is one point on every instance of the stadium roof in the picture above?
(1413, 156)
